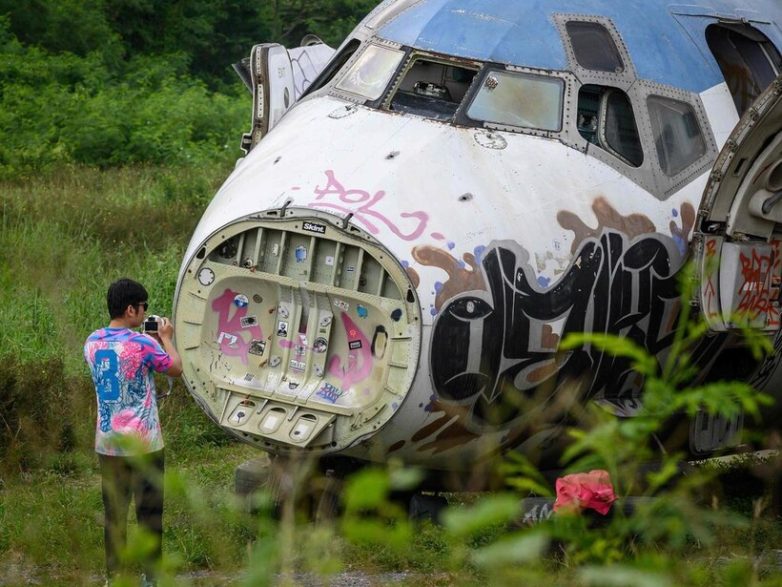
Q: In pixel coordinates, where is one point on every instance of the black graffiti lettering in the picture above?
(488, 348)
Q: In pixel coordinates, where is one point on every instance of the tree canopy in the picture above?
(210, 34)
(115, 82)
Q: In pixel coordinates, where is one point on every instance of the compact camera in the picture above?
(150, 324)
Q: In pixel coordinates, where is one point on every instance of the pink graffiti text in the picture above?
(359, 364)
(361, 204)
(229, 328)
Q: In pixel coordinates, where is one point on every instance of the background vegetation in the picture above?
(118, 121)
(118, 82)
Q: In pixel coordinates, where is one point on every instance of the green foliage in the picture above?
(118, 82)
(523, 476)
(331, 20)
(73, 26)
(621, 575)
(131, 222)
(43, 416)
(499, 509)
(57, 109)
(370, 516)
(519, 549)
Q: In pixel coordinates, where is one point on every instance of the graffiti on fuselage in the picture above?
(362, 205)
(492, 349)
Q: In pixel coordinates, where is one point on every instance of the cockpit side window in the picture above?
(369, 75)
(678, 138)
(605, 118)
(748, 60)
(593, 47)
(334, 66)
(519, 99)
(432, 89)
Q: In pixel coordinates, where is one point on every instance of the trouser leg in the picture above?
(149, 505)
(116, 488)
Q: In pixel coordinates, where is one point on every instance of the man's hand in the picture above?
(165, 331)
(165, 328)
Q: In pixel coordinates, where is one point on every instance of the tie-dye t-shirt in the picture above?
(122, 362)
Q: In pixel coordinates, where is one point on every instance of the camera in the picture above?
(150, 324)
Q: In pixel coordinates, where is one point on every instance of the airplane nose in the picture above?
(300, 330)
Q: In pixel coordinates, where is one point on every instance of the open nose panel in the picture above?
(739, 234)
(297, 331)
(278, 77)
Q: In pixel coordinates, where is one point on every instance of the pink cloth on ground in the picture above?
(582, 491)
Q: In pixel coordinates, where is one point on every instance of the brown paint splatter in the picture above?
(460, 279)
(687, 214)
(431, 428)
(415, 279)
(396, 446)
(543, 372)
(607, 217)
(547, 368)
(453, 436)
(452, 432)
(549, 340)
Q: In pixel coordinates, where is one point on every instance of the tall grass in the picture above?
(66, 235)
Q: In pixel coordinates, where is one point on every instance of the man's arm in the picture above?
(166, 335)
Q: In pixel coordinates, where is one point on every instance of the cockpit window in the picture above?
(748, 60)
(593, 47)
(432, 89)
(606, 119)
(518, 99)
(677, 135)
(369, 75)
(333, 66)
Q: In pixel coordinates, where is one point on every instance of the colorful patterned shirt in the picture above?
(122, 362)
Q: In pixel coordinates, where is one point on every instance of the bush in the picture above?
(62, 108)
(44, 415)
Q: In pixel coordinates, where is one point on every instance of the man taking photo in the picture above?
(128, 437)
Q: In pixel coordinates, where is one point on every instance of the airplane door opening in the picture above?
(748, 60)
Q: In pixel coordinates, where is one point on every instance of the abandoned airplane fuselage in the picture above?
(392, 267)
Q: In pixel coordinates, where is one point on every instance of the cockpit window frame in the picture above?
(342, 75)
(627, 74)
(649, 175)
(566, 78)
(721, 37)
(407, 64)
(600, 35)
(345, 56)
(333, 90)
(669, 184)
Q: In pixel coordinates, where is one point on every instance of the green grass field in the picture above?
(66, 235)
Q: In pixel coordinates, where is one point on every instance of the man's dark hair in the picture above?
(123, 293)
